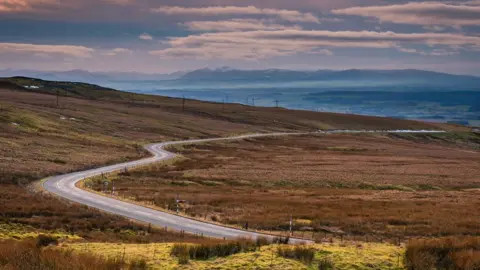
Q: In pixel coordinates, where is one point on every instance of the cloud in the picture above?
(236, 25)
(18, 6)
(434, 28)
(145, 36)
(435, 52)
(120, 2)
(67, 50)
(422, 13)
(266, 44)
(213, 11)
(117, 51)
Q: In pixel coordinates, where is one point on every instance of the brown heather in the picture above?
(384, 186)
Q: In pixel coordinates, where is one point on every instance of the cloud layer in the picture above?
(287, 15)
(265, 44)
(67, 50)
(236, 25)
(423, 13)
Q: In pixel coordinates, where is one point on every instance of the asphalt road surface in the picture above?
(64, 186)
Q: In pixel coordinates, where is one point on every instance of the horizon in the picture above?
(186, 71)
(162, 37)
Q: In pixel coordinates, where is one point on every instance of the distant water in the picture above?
(431, 104)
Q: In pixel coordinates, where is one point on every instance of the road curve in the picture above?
(64, 186)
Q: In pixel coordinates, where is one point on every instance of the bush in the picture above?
(325, 264)
(281, 240)
(182, 252)
(459, 253)
(302, 253)
(262, 241)
(46, 240)
(186, 252)
(138, 264)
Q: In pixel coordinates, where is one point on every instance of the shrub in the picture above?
(182, 252)
(302, 253)
(185, 252)
(46, 240)
(459, 253)
(325, 264)
(138, 264)
(262, 241)
(281, 240)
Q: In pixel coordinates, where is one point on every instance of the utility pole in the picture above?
(226, 99)
(276, 103)
(176, 200)
(253, 101)
(291, 225)
(113, 187)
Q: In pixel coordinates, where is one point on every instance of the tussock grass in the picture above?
(185, 252)
(38, 254)
(304, 254)
(462, 253)
(345, 256)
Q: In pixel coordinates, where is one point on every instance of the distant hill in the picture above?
(91, 77)
(71, 89)
(408, 76)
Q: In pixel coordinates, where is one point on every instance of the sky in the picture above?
(163, 36)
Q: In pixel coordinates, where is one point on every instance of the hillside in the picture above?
(93, 126)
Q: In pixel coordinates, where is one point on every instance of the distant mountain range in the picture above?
(278, 75)
(221, 75)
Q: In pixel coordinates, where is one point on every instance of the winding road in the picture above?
(64, 186)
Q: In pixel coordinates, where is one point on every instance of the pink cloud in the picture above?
(288, 15)
(68, 50)
(236, 25)
(423, 13)
(266, 44)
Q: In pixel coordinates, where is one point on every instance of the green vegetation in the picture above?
(344, 256)
(185, 252)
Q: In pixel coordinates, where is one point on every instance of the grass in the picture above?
(397, 187)
(347, 255)
(37, 254)
(94, 126)
(21, 232)
(444, 253)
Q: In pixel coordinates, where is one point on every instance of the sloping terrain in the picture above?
(93, 126)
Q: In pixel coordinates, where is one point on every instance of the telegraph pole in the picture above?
(176, 200)
(276, 103)
(253, 101)
(58, 97)
(291, 225)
